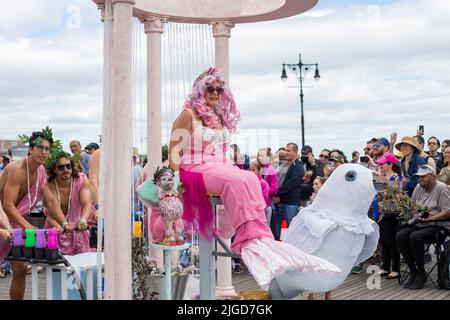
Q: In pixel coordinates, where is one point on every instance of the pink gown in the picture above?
(265, 190)
(240, 193)
(76, 242)
(24, 206)
(269, 174)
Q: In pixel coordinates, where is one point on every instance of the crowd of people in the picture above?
(258, 194)
(423, 175)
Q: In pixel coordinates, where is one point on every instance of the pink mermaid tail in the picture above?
(267, 259)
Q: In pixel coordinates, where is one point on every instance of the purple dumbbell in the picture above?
(39, 251)
(18, 242)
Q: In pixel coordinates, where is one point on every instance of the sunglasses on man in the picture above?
(324, 156)
(43, 148)
(211, 89)
(64, 166)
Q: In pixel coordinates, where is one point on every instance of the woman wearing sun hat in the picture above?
(410, 162)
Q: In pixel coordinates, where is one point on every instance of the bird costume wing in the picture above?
(370, 245)
(308, 230)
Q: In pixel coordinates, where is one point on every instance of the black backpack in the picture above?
(444, 268)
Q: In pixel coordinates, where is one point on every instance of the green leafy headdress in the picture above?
(56, 150)
(48, 135)
(56, 154)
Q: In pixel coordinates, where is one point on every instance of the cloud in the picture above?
(383, 68)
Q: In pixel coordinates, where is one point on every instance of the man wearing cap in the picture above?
(91, 147)
(313, 168)
(410, 162)
(380, 148)
(75, 146)
(435, 196)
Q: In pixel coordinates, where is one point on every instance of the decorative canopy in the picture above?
(237, 11)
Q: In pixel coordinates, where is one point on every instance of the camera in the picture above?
(423, 213)
(364, 159)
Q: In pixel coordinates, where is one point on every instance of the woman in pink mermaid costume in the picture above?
(199, 150)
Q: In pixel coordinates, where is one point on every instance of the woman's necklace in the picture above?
(28, 184)
(70, 195)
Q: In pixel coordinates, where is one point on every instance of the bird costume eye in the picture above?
(350, 176)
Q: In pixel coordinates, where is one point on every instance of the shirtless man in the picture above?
(21, 186)
(71, 188)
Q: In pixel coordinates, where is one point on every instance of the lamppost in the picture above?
(300, 69)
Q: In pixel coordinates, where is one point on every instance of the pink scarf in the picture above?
(197, 209)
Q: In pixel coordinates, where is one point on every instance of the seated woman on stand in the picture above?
(199, 150)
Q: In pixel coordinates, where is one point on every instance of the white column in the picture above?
(105, 181)
(154, 27)
(118, 158)
(221, 33)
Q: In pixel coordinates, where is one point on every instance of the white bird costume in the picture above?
(334, 227)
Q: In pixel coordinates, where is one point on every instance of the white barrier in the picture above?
(60, 279)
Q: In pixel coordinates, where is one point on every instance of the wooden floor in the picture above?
(6, 282)
(354, 288)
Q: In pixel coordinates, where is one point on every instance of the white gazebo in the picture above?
(116, 164)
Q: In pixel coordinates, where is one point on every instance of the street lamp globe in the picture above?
(283, 74)
(316, 74)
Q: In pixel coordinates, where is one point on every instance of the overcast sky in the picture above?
(384, 65)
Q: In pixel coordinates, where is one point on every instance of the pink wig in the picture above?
(225, 114)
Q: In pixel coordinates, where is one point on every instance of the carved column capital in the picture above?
(154, 24)
(101, 6)
(222, 28)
